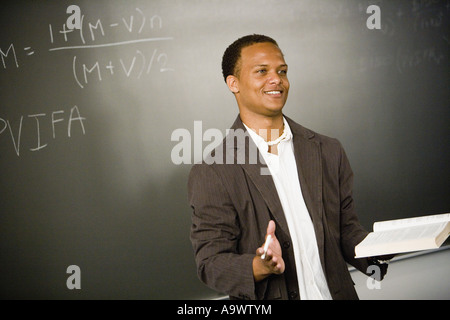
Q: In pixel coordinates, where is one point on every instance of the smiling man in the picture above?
(305, 204)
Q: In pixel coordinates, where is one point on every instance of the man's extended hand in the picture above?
(273, 262)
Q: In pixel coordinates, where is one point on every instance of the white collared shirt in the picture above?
(311, 278)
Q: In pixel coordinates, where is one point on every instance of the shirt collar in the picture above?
(288, 131)
(261, 143)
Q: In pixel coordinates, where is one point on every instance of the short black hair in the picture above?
(233, 52)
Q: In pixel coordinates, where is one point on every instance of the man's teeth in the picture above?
(273, 92)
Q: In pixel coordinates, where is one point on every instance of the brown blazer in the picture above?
(233, 203)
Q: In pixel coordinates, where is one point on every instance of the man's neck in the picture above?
(270, 128)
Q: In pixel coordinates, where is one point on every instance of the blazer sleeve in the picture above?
(215, 233)
(352, 232)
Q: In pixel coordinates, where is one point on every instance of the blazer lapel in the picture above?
(263, 182)
(309, 166)
(266, 186)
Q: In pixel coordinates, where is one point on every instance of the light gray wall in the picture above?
(422, 276)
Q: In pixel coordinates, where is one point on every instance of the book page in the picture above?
(402, 240)
(410, 222)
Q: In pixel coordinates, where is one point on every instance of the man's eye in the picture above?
(261, 71)
(282, 72)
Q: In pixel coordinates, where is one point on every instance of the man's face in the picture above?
(262, 86)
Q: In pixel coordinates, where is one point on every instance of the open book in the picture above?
(405, 235)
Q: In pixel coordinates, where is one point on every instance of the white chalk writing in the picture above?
(15, 128)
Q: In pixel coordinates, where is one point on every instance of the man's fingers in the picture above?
(271, 227)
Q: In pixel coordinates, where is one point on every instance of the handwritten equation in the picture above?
(98, 28)
(94, 34)
(141, 55)
(418, 17)
(137, 67)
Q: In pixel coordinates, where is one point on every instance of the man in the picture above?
(299, 193)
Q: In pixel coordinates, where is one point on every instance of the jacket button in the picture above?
(286, 245)
(293, 295)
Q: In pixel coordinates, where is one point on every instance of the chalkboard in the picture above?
(91, 119)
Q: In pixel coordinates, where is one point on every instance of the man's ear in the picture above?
(233, 84)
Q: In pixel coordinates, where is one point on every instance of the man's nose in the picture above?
(275, 78)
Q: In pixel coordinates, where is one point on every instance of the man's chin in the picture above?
(274, 110)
